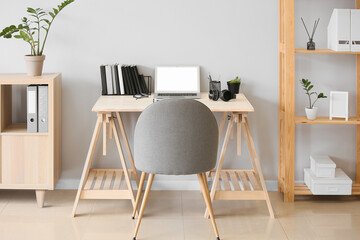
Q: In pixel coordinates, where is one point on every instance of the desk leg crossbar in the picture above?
(107, 183)
(239, 184)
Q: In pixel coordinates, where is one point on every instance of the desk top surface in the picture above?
(130, 104)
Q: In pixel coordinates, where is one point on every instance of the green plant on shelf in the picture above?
(30, 30)
(307, 86)
(236, 80)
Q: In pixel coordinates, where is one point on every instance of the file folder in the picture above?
(339, 30)
(43, 108)
(355, 30)
(32, 108)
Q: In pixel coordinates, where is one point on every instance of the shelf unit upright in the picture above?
(287, 118)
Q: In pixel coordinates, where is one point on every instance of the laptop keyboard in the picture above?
(177, 94)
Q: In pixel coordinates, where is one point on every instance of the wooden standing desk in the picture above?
(116, 183)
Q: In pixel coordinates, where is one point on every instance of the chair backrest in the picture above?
(176, 137)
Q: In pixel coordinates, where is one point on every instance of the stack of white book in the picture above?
(323, 178)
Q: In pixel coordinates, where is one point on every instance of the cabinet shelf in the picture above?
(20, 129)
(326, 51)
(326, 120)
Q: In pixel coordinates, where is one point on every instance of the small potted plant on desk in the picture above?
(30, 31)
(311, 111)
(234, 86)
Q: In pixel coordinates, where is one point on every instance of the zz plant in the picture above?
(30, 29)
(307, 86)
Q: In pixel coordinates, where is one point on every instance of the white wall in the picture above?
(227, 38)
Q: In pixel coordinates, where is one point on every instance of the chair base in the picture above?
(204, 189)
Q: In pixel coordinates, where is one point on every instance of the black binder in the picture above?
(135, 80)
(130, 81)
(103, 80)
(126, 86)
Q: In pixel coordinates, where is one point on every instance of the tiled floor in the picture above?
(173, 215)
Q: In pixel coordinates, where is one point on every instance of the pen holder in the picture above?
(215, 85)
(214, 90)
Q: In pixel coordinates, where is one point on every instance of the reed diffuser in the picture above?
(311, 43)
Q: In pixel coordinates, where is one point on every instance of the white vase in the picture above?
(34, 65)
(311, 113)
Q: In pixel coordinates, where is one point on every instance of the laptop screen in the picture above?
(172, 79)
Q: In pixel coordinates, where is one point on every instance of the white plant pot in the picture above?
(311, 113)
(34, 65)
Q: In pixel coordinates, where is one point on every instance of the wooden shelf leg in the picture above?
(221, 161)
(123, 163)
(40, 197)
(258, 168)
(88, 161)
(127, 146)
(358, 111)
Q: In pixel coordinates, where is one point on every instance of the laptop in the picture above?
(177, 82)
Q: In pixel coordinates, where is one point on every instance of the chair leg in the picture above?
(208, 203)
(141, 184)
(143, 204)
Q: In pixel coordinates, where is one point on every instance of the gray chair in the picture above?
(175, 137)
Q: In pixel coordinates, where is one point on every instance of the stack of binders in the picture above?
(344, 30)
(37, 108)
(323, 178)
(122, 80)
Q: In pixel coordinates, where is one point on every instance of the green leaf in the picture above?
(321, 95)
(17, 36)
(31, 10)
(310, 87)
(51, 14)
(55, 11)
(46, 20)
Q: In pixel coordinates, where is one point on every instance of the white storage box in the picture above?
(340, 185)
(322, 166)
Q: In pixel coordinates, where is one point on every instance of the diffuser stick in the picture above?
(305, 27)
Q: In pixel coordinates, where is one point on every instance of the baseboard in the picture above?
(160, 184)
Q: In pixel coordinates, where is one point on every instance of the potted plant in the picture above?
(234, 86)
(311, 111)
(30, 30)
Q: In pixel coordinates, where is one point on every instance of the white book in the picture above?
(355, 30)
(121, 80)
(109, 80)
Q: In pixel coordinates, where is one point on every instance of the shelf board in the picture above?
(326, 120)
(327, 51)
(302, 189)
(19, 129)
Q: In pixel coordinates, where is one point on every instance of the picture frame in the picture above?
(339, 105)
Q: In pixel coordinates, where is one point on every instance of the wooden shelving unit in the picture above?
(287, 118)
(29, 160)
